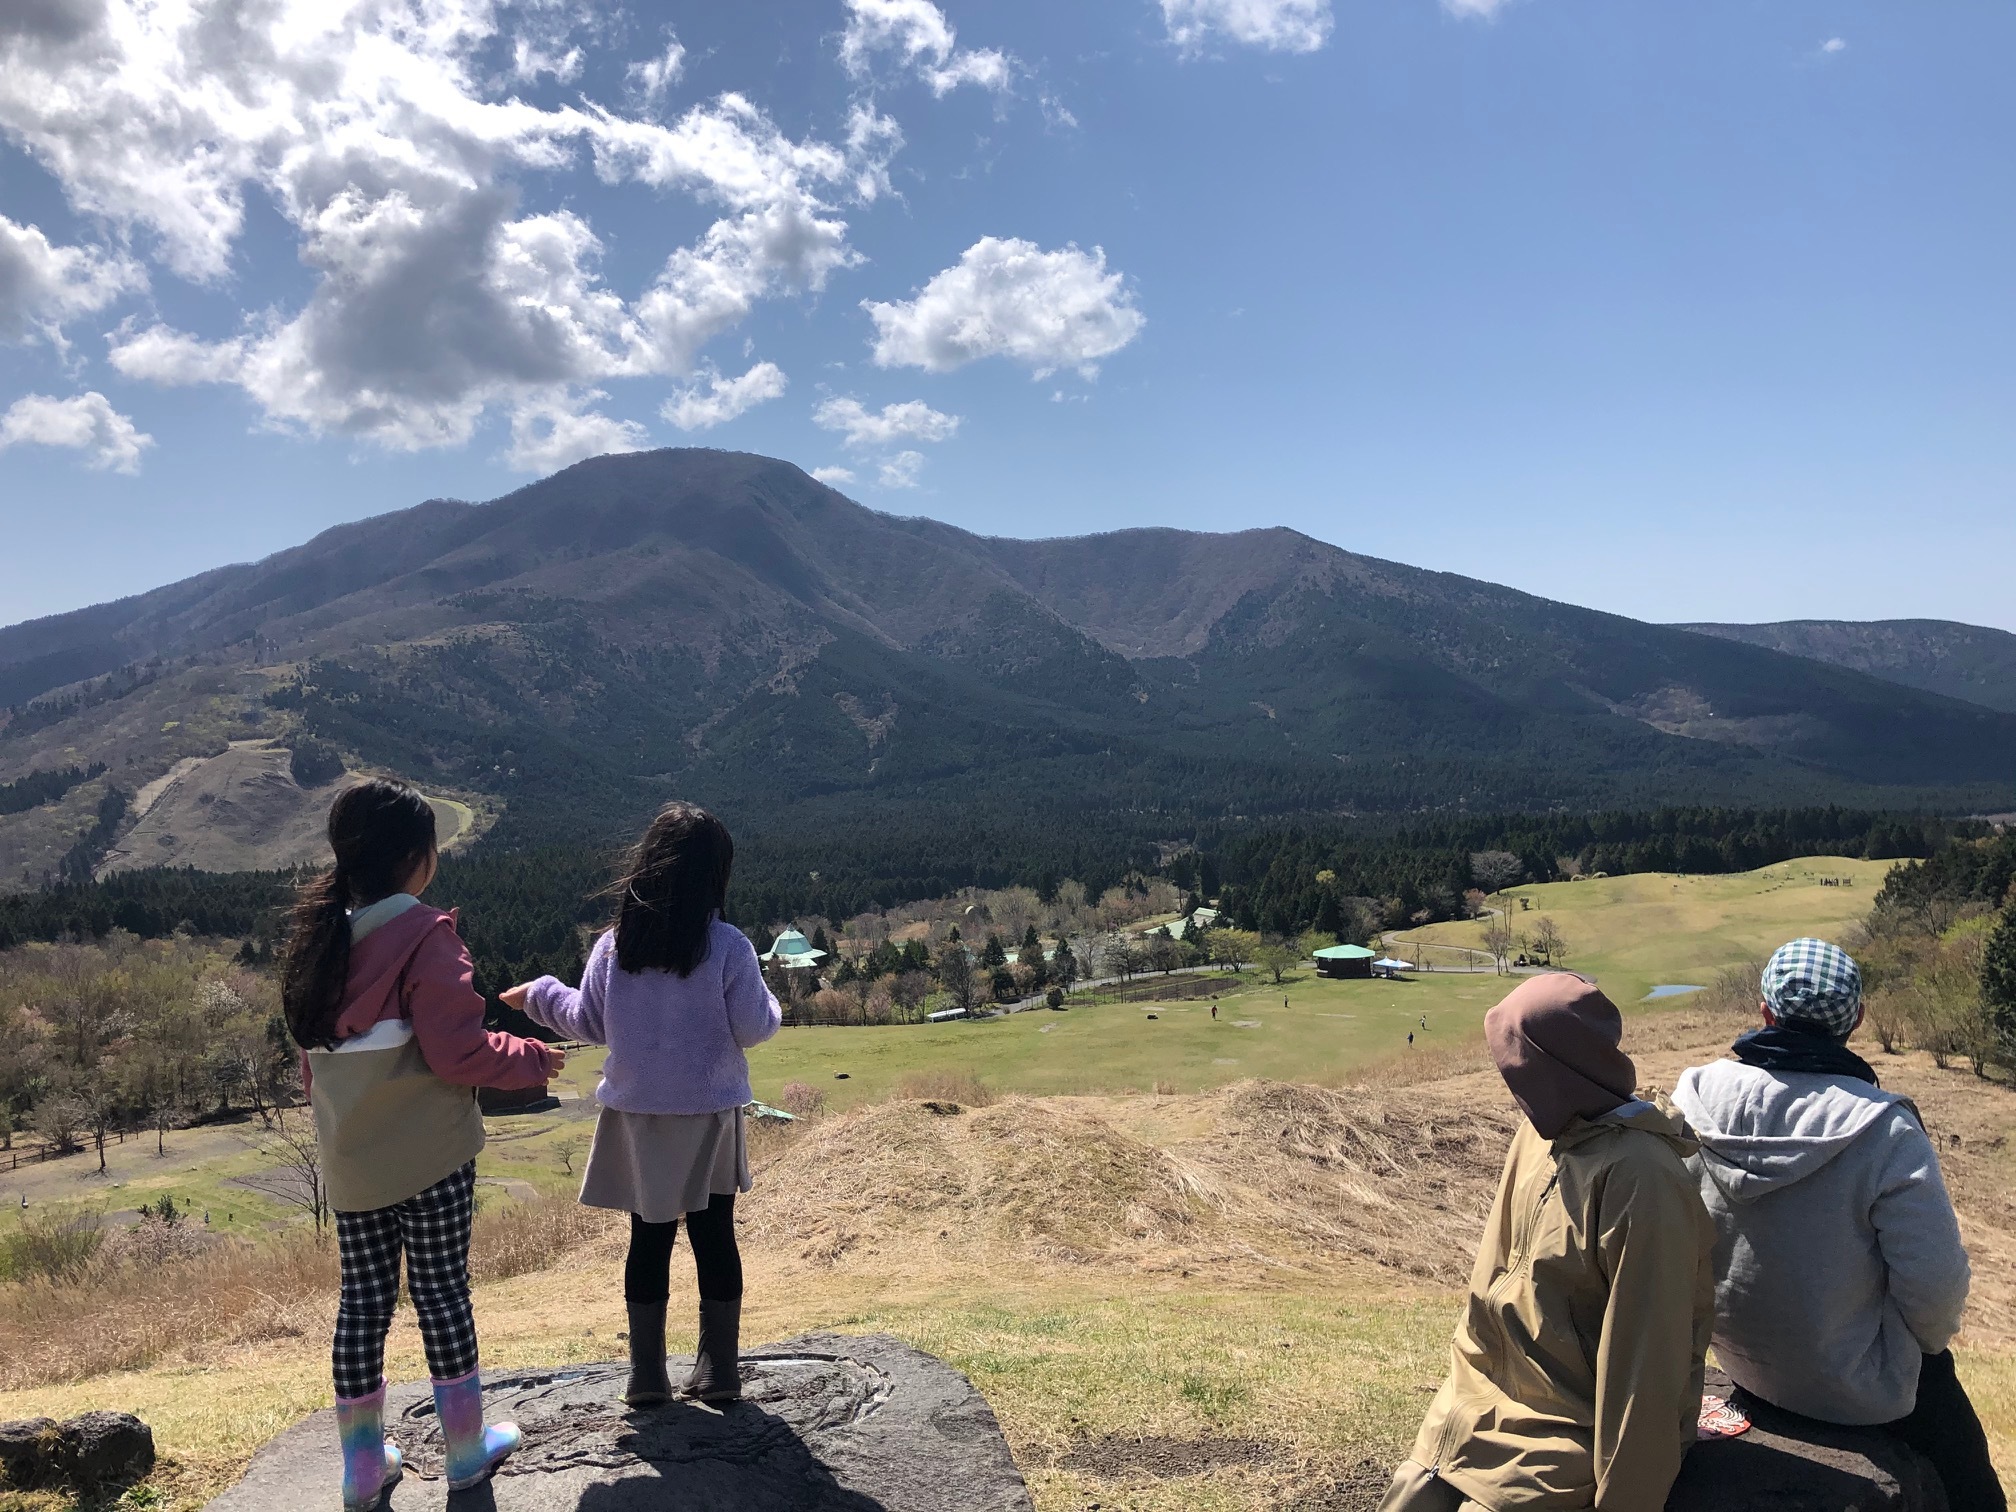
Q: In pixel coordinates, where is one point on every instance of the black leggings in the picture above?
(647, 1271)
(1944, 1428)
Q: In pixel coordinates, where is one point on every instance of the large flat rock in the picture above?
(829, 1423)
(1788, 1463)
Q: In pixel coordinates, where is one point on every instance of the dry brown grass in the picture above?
(130, 1316)
(962, 1087)
(1259, 1178)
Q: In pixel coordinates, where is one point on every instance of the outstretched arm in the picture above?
(447, 1015)
(579, 1012)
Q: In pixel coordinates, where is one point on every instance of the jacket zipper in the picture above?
(1522, 1241)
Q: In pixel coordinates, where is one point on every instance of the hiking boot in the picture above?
(472, 1449)
(717, 1367)
(649, 1384)
(370, 1464)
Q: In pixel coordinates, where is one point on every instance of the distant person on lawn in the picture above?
(377, 992)
(677, 995)
(1575, 1377)
(1839, 1271)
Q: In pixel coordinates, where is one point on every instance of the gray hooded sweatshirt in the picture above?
(1838, 1261)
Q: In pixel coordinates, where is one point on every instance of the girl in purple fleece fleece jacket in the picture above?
(677, 995)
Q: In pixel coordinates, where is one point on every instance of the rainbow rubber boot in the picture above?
(370, 1464)
(473, 1450)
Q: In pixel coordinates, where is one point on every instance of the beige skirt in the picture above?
(662, 1166)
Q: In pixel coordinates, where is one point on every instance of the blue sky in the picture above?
(1680, 310)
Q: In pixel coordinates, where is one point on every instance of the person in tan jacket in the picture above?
(1575, 1376)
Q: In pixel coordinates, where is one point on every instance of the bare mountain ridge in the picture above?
(721, 623)
(1969, 662)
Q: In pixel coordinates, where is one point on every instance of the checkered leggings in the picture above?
(433, 1230)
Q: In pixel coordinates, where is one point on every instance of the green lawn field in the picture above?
(1325, 1032)
(1635, 933)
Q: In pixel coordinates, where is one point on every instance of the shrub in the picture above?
(56, 1245)
(315, 762)
(801, 1100)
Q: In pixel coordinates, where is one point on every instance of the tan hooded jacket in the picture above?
(1575, 1380)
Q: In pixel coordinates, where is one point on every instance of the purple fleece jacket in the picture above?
(675, 1043)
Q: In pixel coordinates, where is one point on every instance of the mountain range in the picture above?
(1969, 662)
(555, 662)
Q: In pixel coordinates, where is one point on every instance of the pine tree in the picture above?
(1998, 986)
(996, 954)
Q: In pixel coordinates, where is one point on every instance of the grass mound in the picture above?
(1040, 1178)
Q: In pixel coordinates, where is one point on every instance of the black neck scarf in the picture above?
(1778, 1047)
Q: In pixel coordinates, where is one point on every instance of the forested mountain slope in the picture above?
(1939, 656)
(722, 625)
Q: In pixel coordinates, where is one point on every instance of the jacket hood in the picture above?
(1760, 1131)
(378, 960)
(1645, 1117)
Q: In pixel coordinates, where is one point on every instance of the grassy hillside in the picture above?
(1636, 933)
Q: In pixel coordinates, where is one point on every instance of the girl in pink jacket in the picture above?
(378, 995)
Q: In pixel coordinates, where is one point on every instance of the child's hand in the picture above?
(556, 1059)
(514, 997)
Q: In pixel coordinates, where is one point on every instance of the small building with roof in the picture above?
(792, 951)
(1344, 961)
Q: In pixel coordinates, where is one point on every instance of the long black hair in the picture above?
(379, 831)
(676, 882)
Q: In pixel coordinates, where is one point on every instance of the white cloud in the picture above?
(833, 477)
(1008, 298)
(900, 471)
(370, 126)
(85, 422)
(924, 44)
(552, 431)
(913, 420)
(654, 76)
(1299, 26)
(1834, 45)
(719, 400)
(1482, 9)
(43, 285)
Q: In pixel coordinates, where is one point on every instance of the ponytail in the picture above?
(379, 831)
(317, 966)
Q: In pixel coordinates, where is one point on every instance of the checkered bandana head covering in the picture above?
(1812, 984)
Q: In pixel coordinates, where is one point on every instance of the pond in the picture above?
(1669, 991)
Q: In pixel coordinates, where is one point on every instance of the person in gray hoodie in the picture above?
(1839, 1271)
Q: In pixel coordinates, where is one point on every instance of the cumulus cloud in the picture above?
(922, 42)
(1834, 45)
(371, 126)
(717, 400)
(833, 477)
(860, 427)
(1296, 26)
(43, 285)
(900, 471)
(85, 422)
(1482, 9)
(1009, 298)
(553, 431)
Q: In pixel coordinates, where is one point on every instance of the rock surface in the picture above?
(828, 1423)
(1787, 1463)
(96, 1449)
